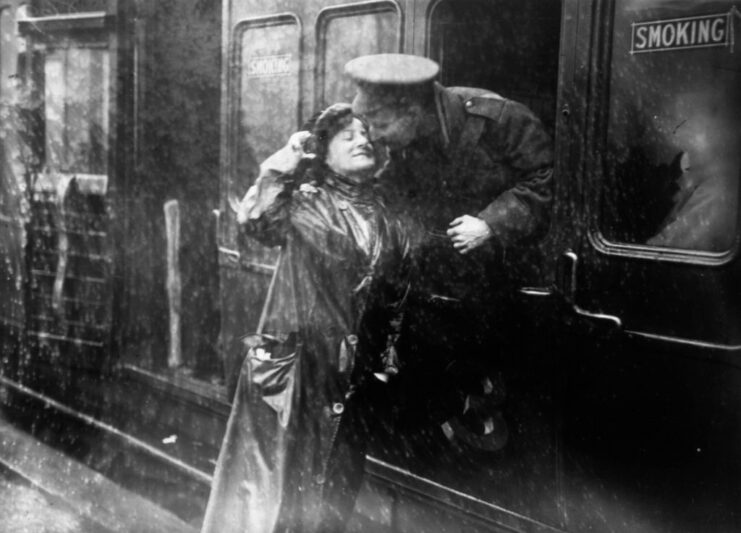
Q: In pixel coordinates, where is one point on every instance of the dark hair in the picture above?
(329, 123)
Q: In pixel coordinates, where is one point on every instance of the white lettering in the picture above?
(259, 66)
(667, 36)
(674, 34)
(641, 37)
(718, 30)
(682, 34)
(703, 36)
(654, 36)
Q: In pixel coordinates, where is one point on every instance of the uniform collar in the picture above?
(451, 114)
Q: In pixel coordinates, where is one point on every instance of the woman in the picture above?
(293, 454)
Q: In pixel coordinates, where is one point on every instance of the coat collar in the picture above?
(451, 115)
(449, 119)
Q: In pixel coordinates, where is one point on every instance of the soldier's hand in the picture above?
(468, 233)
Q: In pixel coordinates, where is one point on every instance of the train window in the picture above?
(346, 32)
(508, 46)
(70, 78)
(673, 136)
(76, 97)
(7, 57)
(264, 101)
(267, 91)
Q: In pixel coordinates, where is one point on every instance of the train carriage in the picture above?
(129, 129)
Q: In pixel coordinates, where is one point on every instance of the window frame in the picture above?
(228, 255)
(328, 14)
(595, 182)
(85, 30)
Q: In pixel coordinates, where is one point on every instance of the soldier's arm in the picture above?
(523, 211)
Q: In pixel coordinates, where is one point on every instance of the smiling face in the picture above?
(350, 152)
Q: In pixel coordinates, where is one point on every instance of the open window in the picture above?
(509, 47)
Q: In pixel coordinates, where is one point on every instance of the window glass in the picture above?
(508, 46)
(266, 97)
(6, 51)
(349, 35)
(76, 110)
(267, 91)
(674, 126)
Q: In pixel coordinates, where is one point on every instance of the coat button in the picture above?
(469, 103)
(338, 408)
(319, 479)
(352, 339)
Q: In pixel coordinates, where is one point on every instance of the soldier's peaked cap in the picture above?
(382, 78)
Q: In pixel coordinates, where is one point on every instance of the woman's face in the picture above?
(350, 152)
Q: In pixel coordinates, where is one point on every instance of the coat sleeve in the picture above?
(521, 212)
(263, 212)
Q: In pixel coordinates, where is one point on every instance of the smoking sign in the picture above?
(266, 66)
(702, 31)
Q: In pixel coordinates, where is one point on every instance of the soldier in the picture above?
(475, 169)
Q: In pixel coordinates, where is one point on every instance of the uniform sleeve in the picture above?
(523, 211)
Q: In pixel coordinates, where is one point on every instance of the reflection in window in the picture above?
(76, 110)
(351, 35)
(674, 134)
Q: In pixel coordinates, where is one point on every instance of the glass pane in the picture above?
(350, 36)
(267, 105)
(7, 55)
(509, 47)
(674, 134)
(76, 110)
(268, 91)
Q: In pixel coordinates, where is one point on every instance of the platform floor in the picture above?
(44, 491)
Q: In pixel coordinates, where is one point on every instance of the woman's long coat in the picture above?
(293, 452)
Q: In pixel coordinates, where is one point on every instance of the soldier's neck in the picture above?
(430, 127)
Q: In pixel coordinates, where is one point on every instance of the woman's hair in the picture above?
(324, 126)
(329, 123)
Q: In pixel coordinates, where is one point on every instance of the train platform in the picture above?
(44, 491)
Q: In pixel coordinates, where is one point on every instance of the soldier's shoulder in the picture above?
(481, 102)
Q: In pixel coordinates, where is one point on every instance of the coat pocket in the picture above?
(271, 363)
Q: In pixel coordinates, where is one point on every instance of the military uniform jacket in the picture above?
(492, 159)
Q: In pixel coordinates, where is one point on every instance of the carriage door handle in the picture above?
(569, 263)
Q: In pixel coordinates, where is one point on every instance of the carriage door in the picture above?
(653, 281)
(283, 65)
(479, 481)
